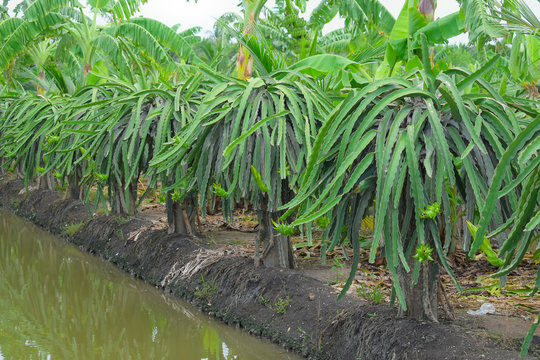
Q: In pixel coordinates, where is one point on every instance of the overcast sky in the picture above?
(205, 12)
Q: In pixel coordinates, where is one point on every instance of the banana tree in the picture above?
(219, 46)
(145, 52)
(416, 20)
(481, 20)
(4, 10)
(133, 54)
(244, 60)
(367, 25)
(524, 55)
(283, 28)
(252, 10)
(58, 19)
(297, 38)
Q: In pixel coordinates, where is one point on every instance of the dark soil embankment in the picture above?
(296, 311)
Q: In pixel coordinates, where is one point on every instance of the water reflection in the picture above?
(59, 303)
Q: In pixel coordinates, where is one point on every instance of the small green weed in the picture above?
(280, 306)
(247, 217)
(162, 197)
(207, 290)
(121, 220)
(211, 239)
(119, 233)
(72, 229)
(58, 187)
(264, 300)
(305, 336)
(338, 267)
(375, 295)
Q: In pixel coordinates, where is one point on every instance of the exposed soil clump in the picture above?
(287, 306)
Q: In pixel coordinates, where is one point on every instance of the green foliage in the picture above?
(491, 255)
(280, 306)
(72, 229)
(101, 177)
(176, 195)
(423, 253)
(121, 220)
(375, 295)
(264, 300)
(206, 290)
(284, 229)
(402, 155)
(220, 191)
(258, 179)
(528, 206)
(322, 222)
(431, 211)
(162, 197)
(262, 125)
(338, 266)
(395, 131)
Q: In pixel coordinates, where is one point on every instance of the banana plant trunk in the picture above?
(277, 250)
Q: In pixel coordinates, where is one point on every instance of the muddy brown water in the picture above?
(57, 302)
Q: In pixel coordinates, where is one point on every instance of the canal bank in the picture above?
(298, 312)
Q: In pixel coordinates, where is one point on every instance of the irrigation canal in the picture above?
(57, 302)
